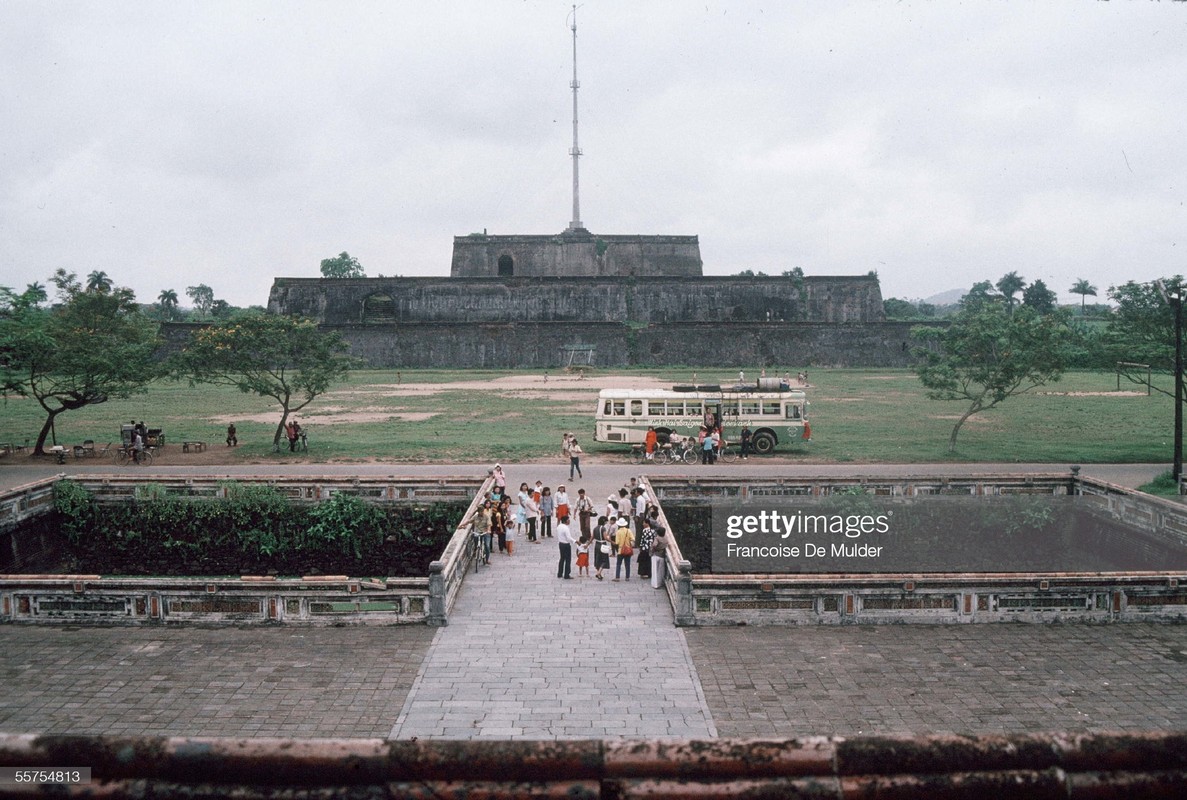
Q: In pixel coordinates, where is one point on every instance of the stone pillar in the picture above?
(684, 608)
(436, 617)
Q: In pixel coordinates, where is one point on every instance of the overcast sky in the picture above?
(177, 143)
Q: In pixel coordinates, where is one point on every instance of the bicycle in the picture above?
(477, 550)
(727, 453)
(677, 453)
(126, 454)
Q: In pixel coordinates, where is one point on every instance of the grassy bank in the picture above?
(480, 416)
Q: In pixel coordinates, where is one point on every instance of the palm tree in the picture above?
(1010, 284)
(1083, 288)
(167, 302)
(98, 281)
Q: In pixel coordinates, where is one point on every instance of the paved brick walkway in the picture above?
(298, 682)
(529, 656)
(964, 679)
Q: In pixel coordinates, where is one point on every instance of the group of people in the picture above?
(628, 529)
(710, 440)
(294, 432)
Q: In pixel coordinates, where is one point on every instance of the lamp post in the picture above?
(1176, 302)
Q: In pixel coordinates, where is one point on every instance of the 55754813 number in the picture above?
(44, 775)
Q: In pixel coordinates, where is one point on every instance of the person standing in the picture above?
(623, 542)
(649, 443)
(575, 452)
(745, 436)
(585, 511)
(509, 531)
(561, 498)
(531, 513)
(521, 508)
(643, 561)
(547, 505)
(500, 478)
(498, 523)
(564, 541)
(601, 547)
(659, 555)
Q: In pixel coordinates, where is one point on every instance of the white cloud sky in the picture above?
(229, 143)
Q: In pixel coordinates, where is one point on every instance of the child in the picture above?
(583, 556)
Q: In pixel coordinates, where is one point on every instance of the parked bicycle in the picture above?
(127, 454)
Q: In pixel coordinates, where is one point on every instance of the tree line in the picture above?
(95, 343)
(1010, 337)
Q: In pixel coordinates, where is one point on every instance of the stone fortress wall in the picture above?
(527, 322)
(575, 253)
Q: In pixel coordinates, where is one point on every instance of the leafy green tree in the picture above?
(1009, 285)
(980, 294)
(896, 308)
(203, 298)
(1084, 289)
(988, 354)
(94, 345)
(344, 265)
(1039, 297)
(1142, 330)
(287, 359)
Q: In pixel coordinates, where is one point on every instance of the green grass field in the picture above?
(480, 416)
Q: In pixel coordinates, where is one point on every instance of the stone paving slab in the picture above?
(302, 682)
(925, 679)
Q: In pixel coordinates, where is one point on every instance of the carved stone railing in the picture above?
(706, 599)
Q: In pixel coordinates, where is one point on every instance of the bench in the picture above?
(196, 447)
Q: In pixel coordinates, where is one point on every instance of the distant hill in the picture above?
(948, 298)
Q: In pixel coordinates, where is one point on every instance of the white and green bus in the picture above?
(775, 415)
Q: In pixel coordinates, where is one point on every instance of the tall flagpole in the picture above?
(576, 151)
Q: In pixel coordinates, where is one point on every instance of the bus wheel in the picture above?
(763, 443)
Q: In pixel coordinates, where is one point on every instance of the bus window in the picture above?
(793, 411)
(619, 408)
(606, 409)
(636, 408)
(692, 408)
(749, 407)
(771, 408)
(729, 409)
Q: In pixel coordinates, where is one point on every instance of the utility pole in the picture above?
(1176, 301)
(576, 223)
